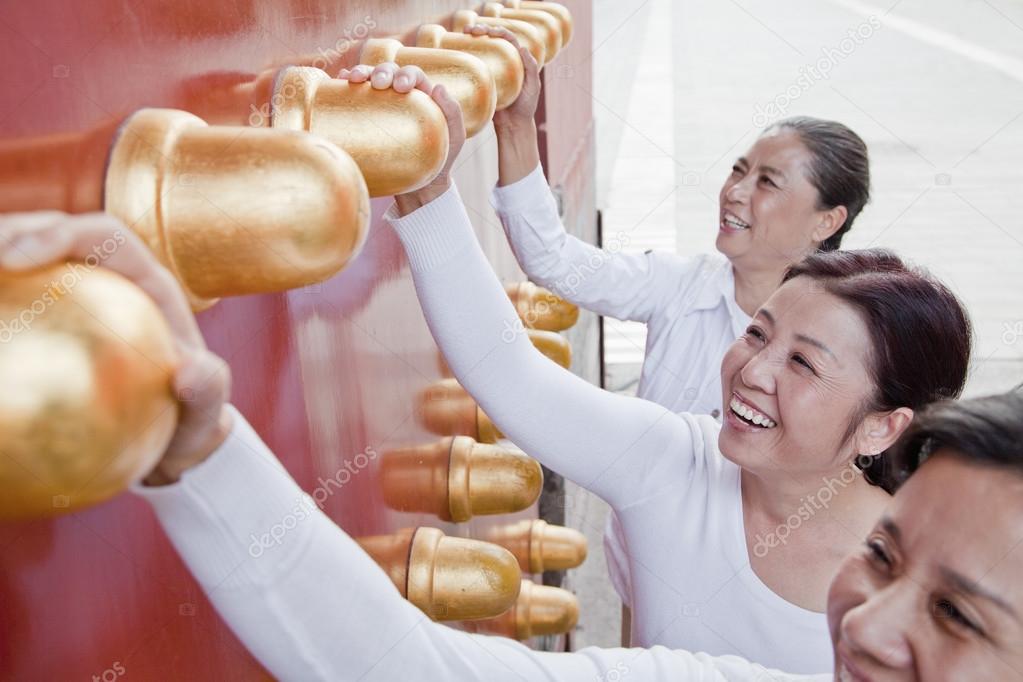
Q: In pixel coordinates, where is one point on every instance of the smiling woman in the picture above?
(810, 364)
(947, 604)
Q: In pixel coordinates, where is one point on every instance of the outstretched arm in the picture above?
(311, 604)
(609, 281)
(623, 449)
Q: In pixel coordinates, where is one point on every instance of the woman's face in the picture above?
(936, 593)
(768, 207)
(801, 374)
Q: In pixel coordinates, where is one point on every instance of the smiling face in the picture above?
(768, 206)
(803, 366)
(935, 593)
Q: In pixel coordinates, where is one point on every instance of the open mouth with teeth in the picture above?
(750, 415)
(732, 222)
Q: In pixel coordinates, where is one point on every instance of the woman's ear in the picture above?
(880, 430)
(831, 222)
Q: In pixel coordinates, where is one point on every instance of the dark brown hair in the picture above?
(988, 431)
(840, 170)
(920, 333)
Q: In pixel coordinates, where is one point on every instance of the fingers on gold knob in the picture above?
(497, 54)
(538, 308)
(87, 360)
(458, 478)
(539, 546)
(399, 141)
(539, 610)
(558, 11)
(466, 77)
(447, 409)
(526, 33)
(546, 25)
(234, 210)
(448, 578)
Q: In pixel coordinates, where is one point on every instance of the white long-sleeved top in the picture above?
(688, 305)
(678, 499)
(311, 605)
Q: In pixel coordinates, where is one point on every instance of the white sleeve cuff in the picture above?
(522, 194)
(435, 233)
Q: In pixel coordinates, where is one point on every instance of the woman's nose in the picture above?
(739, 191)
(758, 372)
(879, 627)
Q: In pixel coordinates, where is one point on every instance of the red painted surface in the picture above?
(323, 374)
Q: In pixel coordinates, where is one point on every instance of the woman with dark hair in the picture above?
(734, 529)
(797, 190)
(933, 594)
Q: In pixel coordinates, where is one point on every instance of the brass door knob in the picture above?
(87, 362)
(458, 478)
(465, 76)
(538, 546)
(526, 33)
(447, 409)
(558, 11)
(501, 59)
(538, 308)
(552, 344)
(399, 141)
(539, 610)
(233, 210)
(447, 578)
(546, 25)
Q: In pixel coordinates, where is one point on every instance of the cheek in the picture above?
(849, 588)
(736, 357)
(786, 219)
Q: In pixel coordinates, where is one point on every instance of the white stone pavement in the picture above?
(935, 87)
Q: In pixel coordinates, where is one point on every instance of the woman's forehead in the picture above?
(964, 516)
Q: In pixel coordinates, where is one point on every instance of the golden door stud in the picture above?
(539, 610)
(539, 546)
(546, 25)
(457, 478)
(447, 578)
(234, 210)
(526, 33)
(398, 140)
(499, 55)
(538, 308)
(558, 11)
(465, 76)
(87, 362)
(446, 409)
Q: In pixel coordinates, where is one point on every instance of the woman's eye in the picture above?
(767, 181)
(800, 360)
(877, 554)
(736, 170)
(755, 333)
(945, 609)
